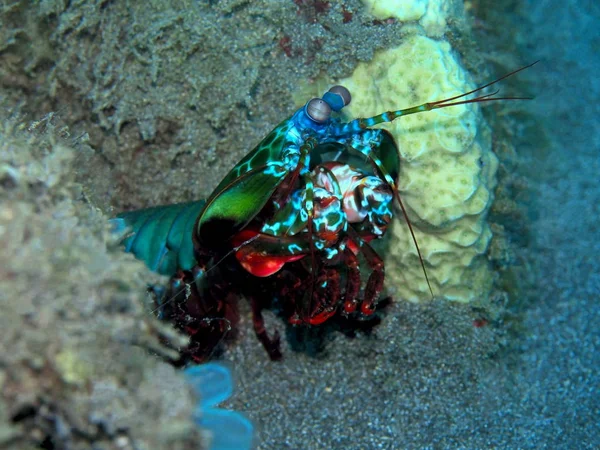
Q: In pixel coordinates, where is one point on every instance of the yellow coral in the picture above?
(448, 169)
(430, 14)
(73, 368)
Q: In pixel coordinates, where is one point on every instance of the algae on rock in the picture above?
(75, 365)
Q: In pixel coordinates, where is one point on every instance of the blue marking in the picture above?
(244, 168)
(291, 156)
(304, 123)
(294, 248)
(275, 169)
(290, 220)
(318, 222)
(272, 229)
(199, 274)
(335, 101)
(331, 253)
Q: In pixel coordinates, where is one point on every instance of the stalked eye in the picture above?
(342, 92)
(318, 110)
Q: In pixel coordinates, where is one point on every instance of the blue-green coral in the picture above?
(229, 430)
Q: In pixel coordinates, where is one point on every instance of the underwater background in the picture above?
(108, 106)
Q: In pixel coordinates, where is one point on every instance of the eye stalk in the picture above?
(337, 97)
(318, 110)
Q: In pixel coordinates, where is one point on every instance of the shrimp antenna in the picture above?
(359, 124)
(483, 98)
